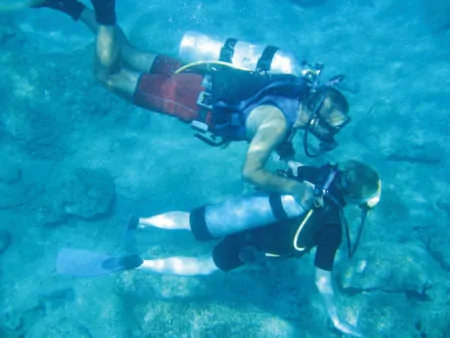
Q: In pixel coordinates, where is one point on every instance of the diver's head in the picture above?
(359, 183)
(327, 110)
(323, 113)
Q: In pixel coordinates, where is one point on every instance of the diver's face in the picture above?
(329, 122)
(335, 118)
(326, 124)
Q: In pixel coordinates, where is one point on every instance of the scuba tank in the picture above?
(259, 66)
(197, 47)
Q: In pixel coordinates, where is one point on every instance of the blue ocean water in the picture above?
(76, 160)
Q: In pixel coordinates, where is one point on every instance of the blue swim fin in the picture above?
(83, 263)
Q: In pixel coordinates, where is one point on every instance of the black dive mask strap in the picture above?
(313, 120)
(351, 250)
(305, 140)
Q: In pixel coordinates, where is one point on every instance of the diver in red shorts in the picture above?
(224, 91)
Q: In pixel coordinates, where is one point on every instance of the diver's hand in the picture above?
(347, 328)
(304, 195)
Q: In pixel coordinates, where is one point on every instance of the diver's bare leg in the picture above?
(174, 220)
(113, 50)
(180, 266)
(108, 63)
(135, 59)
(108, 50)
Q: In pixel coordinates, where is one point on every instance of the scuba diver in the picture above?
(254, 227)
(242, 92)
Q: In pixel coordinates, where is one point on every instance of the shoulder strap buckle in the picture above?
(211, 139)
(205, 100)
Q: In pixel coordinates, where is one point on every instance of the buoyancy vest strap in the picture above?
(277, 207)
(265, 61)
(227, 51)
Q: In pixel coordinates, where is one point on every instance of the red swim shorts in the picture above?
(165, 92)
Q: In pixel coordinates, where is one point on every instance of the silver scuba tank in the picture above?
(196, 47)
(249, 212)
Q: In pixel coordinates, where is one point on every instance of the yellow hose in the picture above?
(209, 63)
(299, 230)
(300, 227)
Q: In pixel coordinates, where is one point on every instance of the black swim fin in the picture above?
(105, 12)
(73, 8)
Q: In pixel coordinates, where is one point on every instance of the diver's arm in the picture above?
(325, 286)
(286, 153)
(267, 138)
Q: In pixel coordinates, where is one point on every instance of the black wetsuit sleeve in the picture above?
(328, 240)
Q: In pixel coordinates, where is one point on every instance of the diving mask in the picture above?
(323, 130)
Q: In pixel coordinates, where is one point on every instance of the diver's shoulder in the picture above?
(267, 112)
(268, 118)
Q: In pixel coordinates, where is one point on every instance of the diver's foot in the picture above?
(122, 263)
(73, 8)
(105, 12)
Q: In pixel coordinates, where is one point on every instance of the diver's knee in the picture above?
(108, 58)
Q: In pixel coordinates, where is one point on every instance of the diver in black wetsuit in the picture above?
(256, 226)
